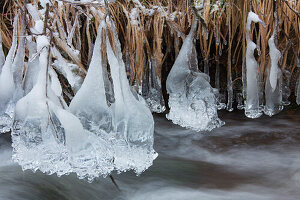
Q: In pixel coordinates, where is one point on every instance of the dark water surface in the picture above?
(244, 160)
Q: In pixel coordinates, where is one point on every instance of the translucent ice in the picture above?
(7, 85)
(122, 129)
(252, 107)
(275, 57)
(273, 97)
(89, 104)
(18, 64)
(133, 121)
(48, 137)
(69, 70)
(286, 91)
(2, 57)
(297, 89)
(153, 93)
(273, 85)
(32, 68)
(36, 139)
(192, 100)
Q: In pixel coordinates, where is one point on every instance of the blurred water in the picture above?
(244, 160)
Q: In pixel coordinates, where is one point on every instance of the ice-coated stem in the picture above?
(252, 107)
(2, 57)
(7, 85)
(297, 89)
(275, 56)
(18, 64)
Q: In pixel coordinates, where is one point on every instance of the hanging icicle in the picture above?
(273, 86)
(7, 85)
(192, 100)
(133, 121)
(252, 107)
(153, 93)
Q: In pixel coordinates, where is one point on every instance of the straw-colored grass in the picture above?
(153, 31)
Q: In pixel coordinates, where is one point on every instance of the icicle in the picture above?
(18, 64)
(69, 70)
(2, 57)
(133, 121)
(32, 68)
(244, 77)
(48, 137)
(297, 89)
(153, 96)
(275, 56)
(89, 104)
(220, 103)
(286, 91)
(206, 66)
(34, 136)
(192, 100)
(273, 96)
(240, 101)
(7, 85)
(273, 86)
(229, 106)
(252, 108)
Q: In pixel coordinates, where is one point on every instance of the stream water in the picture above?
(243, 160)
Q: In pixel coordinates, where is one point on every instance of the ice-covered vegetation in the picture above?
(79, 79)
(253, 105)
(93, 136)
(191, 98)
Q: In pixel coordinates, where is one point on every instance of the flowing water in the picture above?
(243, 160)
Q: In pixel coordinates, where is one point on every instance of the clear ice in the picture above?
(124, 126)
(297, 89)
(92, 137)
(192, 100)
(273, 98)
(273, 85)
(152, 91)
(253, 93)
(7, 85)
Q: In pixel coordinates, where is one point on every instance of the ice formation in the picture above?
(273, 86)
(133, 121)
(35, 135)
(297, 89)
(32, 68)
(275, 57)
(253, 93)
(67, 69)
(2, 57)
(286, 91)
(7, 85)
(18, 64)
(95, 135)
(273, 103)
(192, 100)
(90, 101)
(152, 91)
